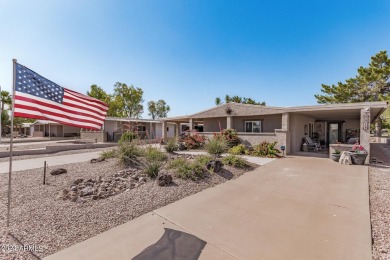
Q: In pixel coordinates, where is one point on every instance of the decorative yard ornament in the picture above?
(228, 110)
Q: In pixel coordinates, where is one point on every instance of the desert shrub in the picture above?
(186, 169)
(216, 146)
(128, 153)
(108, 154)
(127, 137)
(235, 161)
(191, 170)
(171, 145)
(266, 149)
(230, 135)
(203, 159)
(154, 154)
(239, 149)
(152, 168)
(195, 141)
(174, 164)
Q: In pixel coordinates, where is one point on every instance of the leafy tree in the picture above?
(158, 109)
(237, 99)
(5, 98)
(4, 120)
(129, 100)
(98, 93)
(372, 83)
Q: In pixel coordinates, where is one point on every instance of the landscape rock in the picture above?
(100, 159)
(58, 171)
(164, 180)
(215, 165)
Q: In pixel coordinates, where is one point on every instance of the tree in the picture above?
(98, 93)
(237, 99)
(158, 109)
(372, 83)
(129, 100)
(5, 98)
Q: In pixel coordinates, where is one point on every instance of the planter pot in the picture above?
(336, 157)
(358, 158)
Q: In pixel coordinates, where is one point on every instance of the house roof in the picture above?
(45, 122)
(323, 111)
(124, 119)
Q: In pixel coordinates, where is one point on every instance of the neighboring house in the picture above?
(45, 128)
(145, 128)
(330, 124)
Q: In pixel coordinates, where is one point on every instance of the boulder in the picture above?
(216, 166)
(58, 171)
(100, 159)
(164, 180)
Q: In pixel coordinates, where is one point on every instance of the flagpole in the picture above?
(1, 112)
(11, 141)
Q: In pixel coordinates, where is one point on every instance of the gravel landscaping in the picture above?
(379, 179)
(48, 219)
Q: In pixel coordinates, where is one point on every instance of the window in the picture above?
(141, 128)
(253, 126)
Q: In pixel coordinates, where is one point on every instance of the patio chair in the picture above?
(315, 146)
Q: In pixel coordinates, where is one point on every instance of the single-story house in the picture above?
(46, 128)
(330, 124)
(145, 128)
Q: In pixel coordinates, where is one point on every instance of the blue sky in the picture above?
(189, 52)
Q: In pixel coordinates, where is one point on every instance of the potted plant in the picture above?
(336, 155)
(358, 154)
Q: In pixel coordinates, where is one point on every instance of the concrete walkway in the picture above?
(293, 208)
(21, 165)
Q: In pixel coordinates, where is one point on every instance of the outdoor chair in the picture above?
(314, 146)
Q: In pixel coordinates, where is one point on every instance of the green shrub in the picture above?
(154, 154)
(235, 161)
(128, 153)
(266, 149)
(174, 164)
(152, 168)
(127, 137)
(186, 169)
(216, 146)
(108, 154)
(171, 145)
(203, 159)
(191, 170)
(239, 149)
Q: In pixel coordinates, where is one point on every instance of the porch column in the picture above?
(365, 121)
(151, 133)
(285, 121)
(177, 131)
(191, 124)
(229, 122)
(164, 130)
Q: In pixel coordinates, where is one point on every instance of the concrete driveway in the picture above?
(293, 208)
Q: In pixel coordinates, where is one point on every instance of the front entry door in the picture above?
(334, 132)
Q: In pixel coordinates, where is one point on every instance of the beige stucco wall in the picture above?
(214, 124)
(269, 122)
(297, 127)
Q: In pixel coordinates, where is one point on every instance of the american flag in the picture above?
(40, 98)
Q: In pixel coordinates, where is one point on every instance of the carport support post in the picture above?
(229, 122)
(365, 122)
(164, 130)
(177, 130)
